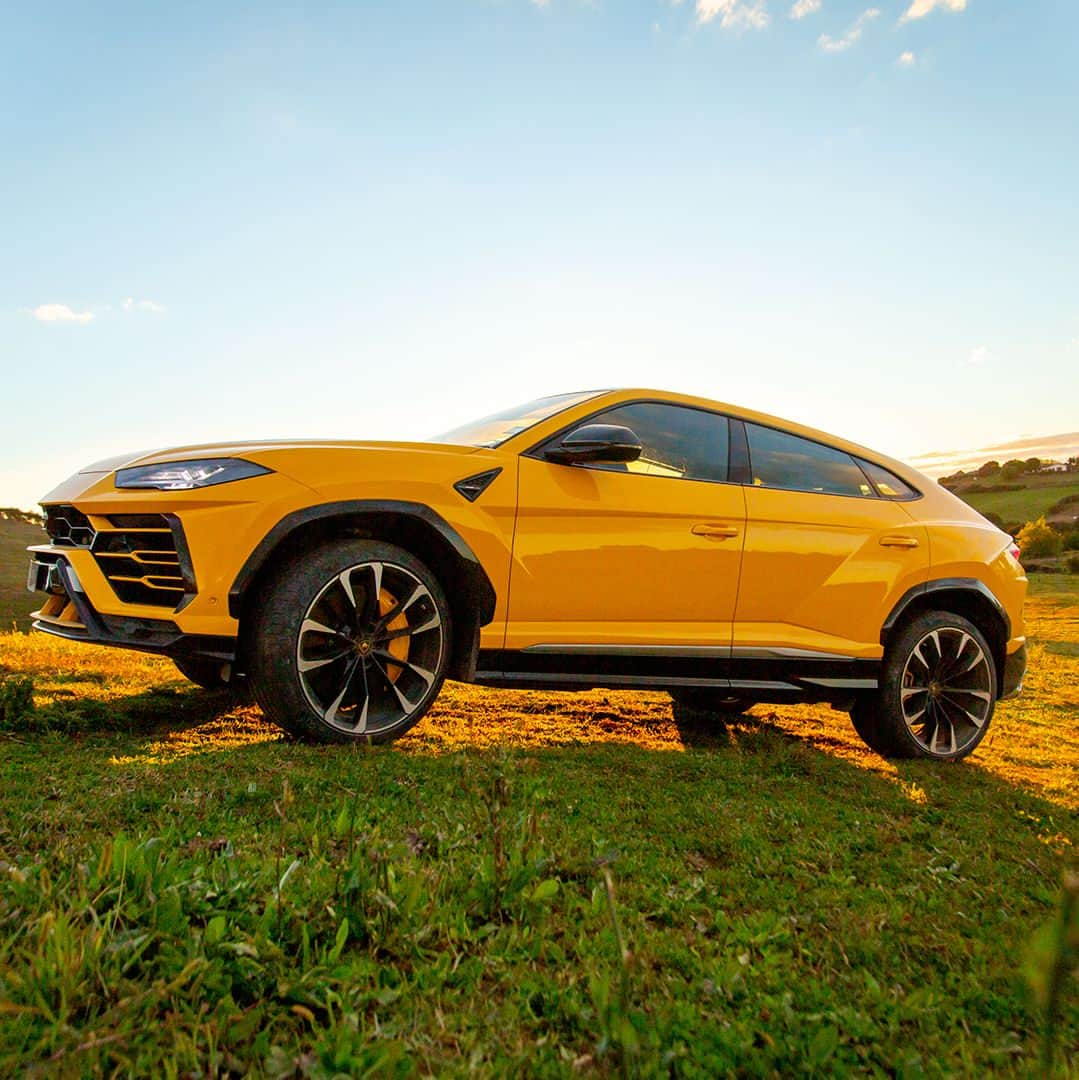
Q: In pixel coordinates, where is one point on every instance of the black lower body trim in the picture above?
(160, 636)
(766, 678)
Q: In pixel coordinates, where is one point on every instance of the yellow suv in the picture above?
(625, 538)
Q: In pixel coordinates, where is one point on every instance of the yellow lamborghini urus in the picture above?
(627, 538)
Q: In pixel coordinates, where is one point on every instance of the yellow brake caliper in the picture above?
(398, 647)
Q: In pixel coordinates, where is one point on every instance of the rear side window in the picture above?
(678, 442)
(888, 485)
(780, 460)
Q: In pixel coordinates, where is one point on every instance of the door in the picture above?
(829, 549)
(645, 553)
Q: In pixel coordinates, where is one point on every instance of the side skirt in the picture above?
(770, 675)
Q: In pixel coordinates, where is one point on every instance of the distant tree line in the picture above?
(1010, 470)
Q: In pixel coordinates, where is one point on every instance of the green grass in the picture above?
(1060, 634)
(1028, 504)
(15, 602)
(533, 883)
(1063, 588)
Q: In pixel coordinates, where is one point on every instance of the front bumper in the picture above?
(1015, 667)
(68, 613)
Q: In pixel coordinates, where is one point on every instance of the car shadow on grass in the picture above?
(171, 722)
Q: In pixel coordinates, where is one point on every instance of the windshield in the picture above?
(495, 429)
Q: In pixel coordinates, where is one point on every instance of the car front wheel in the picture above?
(937, 691)
(351, 643)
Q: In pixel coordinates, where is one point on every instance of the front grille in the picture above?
(140, 558)
(68, 527)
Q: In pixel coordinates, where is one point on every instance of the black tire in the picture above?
(864, 718)
(937, 691)
(351, 643)
(700, 710)
(209, 674)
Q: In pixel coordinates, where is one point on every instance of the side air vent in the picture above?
(472, 487)
(142, 561)
(144, 557)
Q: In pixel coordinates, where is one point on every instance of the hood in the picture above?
(258, 447)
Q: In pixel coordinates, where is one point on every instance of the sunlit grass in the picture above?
(1034, 739)
(789, 902)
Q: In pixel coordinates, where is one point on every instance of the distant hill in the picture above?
(18, 529)
(940, 462)
(1017, 499)
(27, 517)
(1033, 501)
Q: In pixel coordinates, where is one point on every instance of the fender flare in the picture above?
(478, 584)
(972, 585)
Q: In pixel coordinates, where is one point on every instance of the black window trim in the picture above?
(835, 494)
(536, 450)
(739, 459)
(915, 493)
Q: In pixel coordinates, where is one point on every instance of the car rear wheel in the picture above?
(209, 674)
(351, 643)
(937, 691)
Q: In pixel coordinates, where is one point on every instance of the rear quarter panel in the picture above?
(963, 544)
(815, 575)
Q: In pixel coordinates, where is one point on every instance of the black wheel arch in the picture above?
(413, 526)
(968, 597)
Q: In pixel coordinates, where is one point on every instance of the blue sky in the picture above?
(381, 219)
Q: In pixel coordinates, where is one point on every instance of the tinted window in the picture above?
(687, 444)
(887, 484)
(786, 461)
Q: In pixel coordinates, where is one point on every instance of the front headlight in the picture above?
(185, 475)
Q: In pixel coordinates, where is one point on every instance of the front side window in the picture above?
(677, 441)
(494, 430)
(781, 460)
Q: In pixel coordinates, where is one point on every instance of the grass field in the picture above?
(1029, 504)
(542, 883)
(15, 602)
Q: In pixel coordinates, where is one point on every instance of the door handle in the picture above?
(898, 541)
(715, 532)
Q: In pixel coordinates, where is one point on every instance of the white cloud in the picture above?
(734, 14)
(920, 8)
(840, 44)
(130, 304)
(906, 59)
(802, 8)
(61, 313)
(979, 355)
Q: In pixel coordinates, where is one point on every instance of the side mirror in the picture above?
(596, 442)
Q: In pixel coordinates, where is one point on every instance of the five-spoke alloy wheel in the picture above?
(352, 643)
(937, 692)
